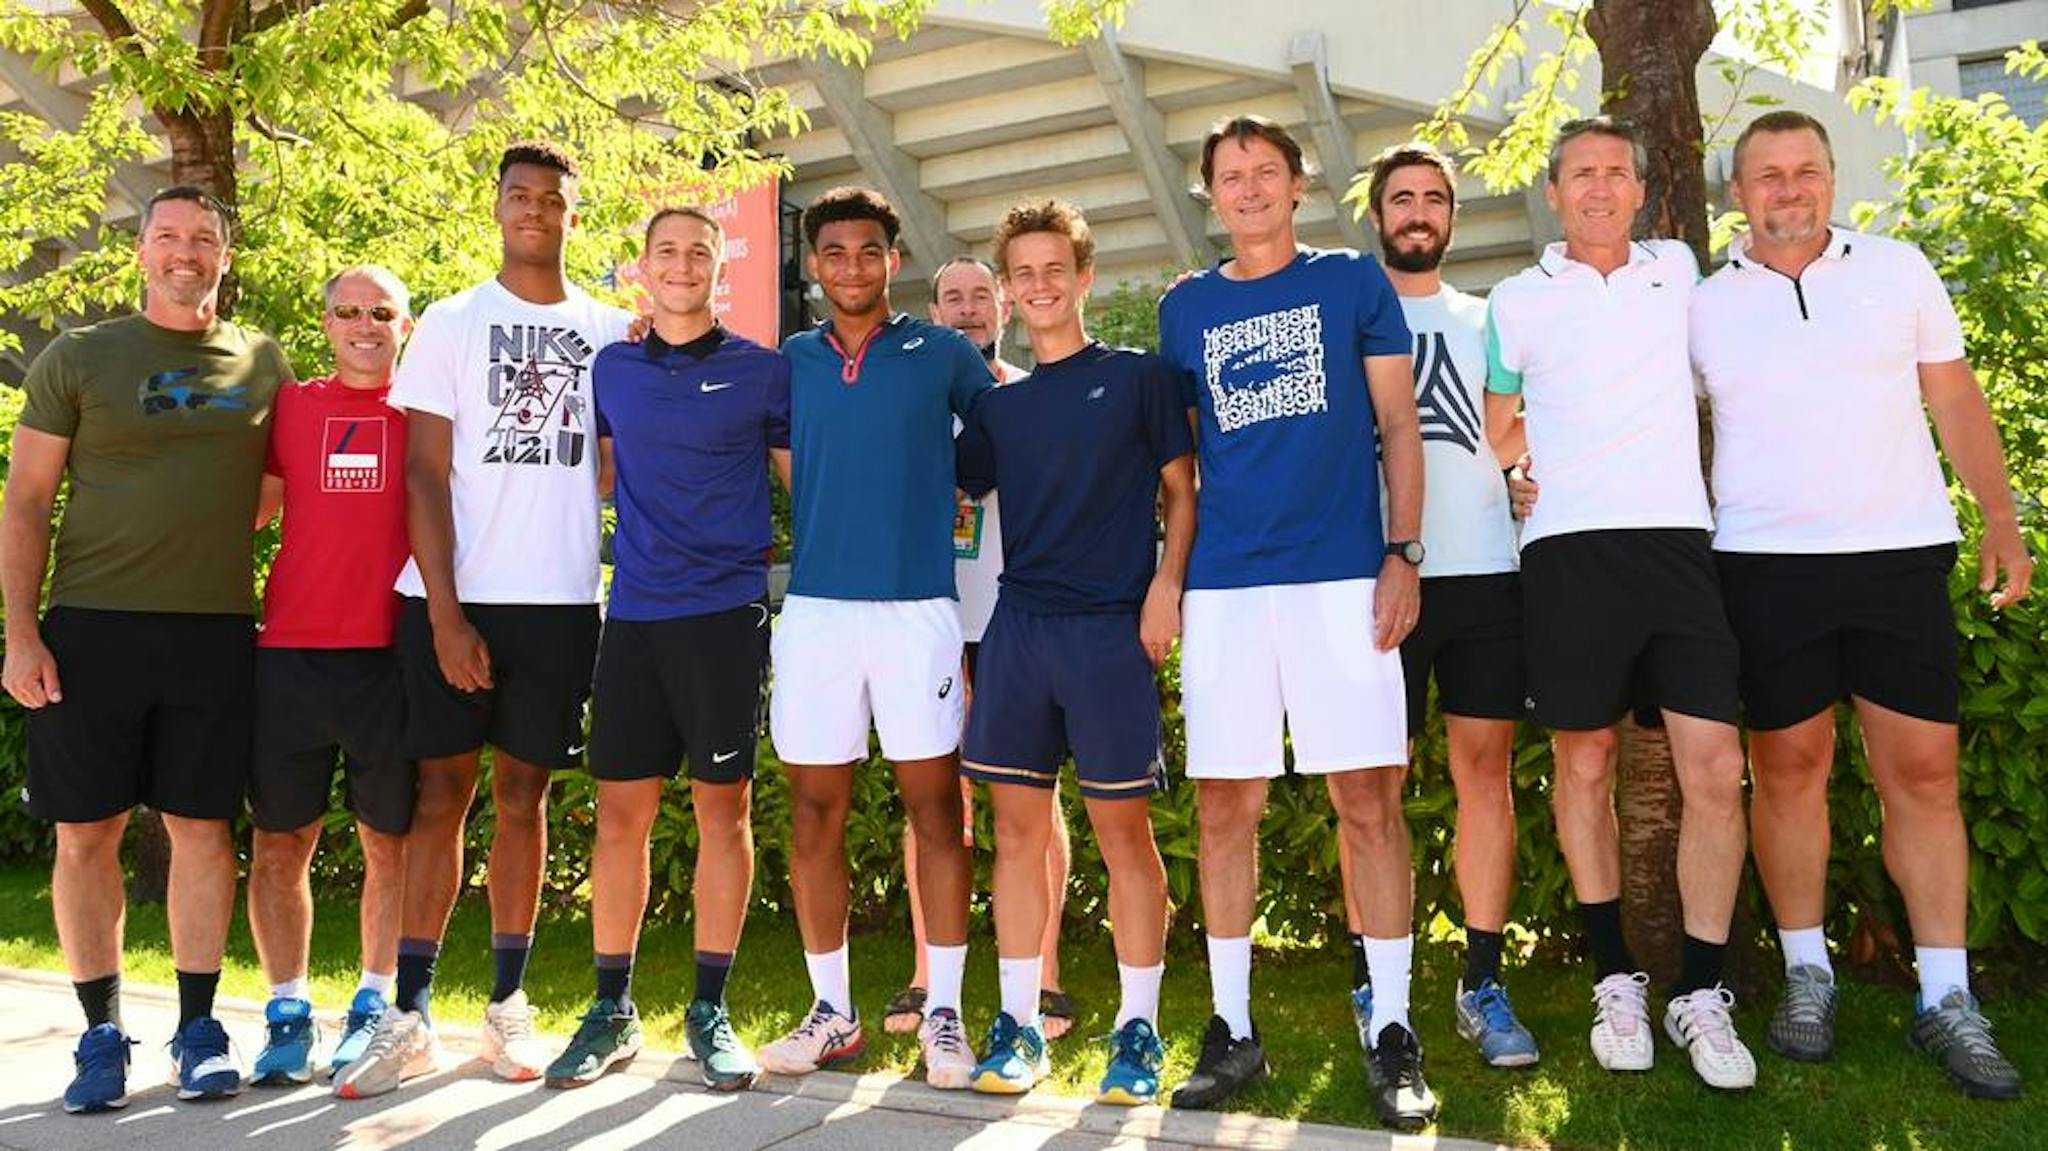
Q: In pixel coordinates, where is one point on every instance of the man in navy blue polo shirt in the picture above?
(687, 421)
(870, 629)
(1080, 449)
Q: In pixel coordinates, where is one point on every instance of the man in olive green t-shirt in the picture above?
(139, 676)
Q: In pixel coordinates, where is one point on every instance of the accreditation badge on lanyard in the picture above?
(967, 516)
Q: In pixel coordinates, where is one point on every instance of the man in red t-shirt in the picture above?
(327, 684)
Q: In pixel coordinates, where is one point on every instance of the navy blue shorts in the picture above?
(1050, 685)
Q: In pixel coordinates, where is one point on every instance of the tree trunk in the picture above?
(203, 155)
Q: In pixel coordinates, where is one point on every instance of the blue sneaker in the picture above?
(1487, 1019)
(102, 1080)
(1016, 1059)
(204, 1064)
(357, 1030)
(1361, 1014)
(1135, 1056)
(287, 1057)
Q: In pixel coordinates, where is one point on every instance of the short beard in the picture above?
(1400, 259)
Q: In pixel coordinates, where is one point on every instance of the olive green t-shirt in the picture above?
(167, 432)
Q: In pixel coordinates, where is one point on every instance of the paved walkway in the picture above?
(656, 1102)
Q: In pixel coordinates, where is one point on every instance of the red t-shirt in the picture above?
(341, 453)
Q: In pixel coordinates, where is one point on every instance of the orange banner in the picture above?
(749, 299)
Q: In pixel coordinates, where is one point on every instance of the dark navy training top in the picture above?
(1075, 449)
(690, 428)
(872, 429)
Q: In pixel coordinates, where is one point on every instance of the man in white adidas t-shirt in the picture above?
(497, 633)
(1470, 632)
(967, 298)
(1621, 603)
(1824, 352)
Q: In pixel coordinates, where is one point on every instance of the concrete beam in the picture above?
(1308, 60)
(870, 136)
(64, 109)
(1123, 85)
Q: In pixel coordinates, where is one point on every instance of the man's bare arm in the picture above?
(1159, 619)
(1397, 594)
(779, 459)
(1968, 434)
(430, 523)
(269, 498)
(33, 476)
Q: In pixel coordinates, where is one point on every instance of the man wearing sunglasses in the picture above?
(326, 675)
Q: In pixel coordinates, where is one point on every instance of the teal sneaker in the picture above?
(357, 1030)
(1015, 1061)
(1135, 1056)
(606, 1038)
(287, 1056)
(726, 1063)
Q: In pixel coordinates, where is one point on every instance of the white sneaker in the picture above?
(402, 1047)
(824, 1038)
(1699, 1022)
(511, 1046)
(948, 1057)
(1622, 1039)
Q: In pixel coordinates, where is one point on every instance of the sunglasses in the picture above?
(382, 313)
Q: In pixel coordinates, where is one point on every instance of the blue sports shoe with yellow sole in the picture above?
(1135, 1057)
(1016, 1059)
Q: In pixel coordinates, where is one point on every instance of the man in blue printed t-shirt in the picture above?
(1297, 369)
(870, 629)
(1081, 449)
(688, 422)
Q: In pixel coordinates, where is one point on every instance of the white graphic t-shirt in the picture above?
(514, 377)
(1466, 527)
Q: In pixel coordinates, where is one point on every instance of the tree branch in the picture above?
(114, 24)
(217, 30)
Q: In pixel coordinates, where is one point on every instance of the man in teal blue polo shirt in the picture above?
(870, 630)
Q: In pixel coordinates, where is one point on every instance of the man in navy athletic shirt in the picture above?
(1080, 449)
(687, 421)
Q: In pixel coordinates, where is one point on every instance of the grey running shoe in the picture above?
(402, 1047)
(1956, 1035)
(1803, 1027)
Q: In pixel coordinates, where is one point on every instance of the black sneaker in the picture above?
(1226, 1067)
(1955, 1034)
(1394, 1067)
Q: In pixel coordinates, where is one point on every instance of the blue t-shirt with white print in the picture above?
(871, 431)
(1288, 448)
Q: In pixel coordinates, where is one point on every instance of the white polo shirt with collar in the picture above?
(1821, 442)
(1607, 389)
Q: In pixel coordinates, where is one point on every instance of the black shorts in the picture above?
(692, 687)
(1819, 628)
(1470, 635)
(1622, 619)
(541, 657)
(314, 705)
(156, 710)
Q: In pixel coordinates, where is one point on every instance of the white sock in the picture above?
(1140, 993)
(1942, 970)
(829, 979)
(945, 965)
(1387, 962)
(1019, 978)
(1805, 946)
(298, 988)
(1230, 982)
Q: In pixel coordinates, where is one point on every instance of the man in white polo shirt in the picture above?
(1824, 351)
(1622, 607)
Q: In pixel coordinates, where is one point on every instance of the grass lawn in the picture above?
(1875, 1094)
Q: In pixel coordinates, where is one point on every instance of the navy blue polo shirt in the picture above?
(690, 428)
(1076, 448)
(872, 436)
(1290, 447)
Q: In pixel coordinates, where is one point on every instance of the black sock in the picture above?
(1361, 973)
(1482, 956)
(101, 999)
(615, 980)
(195, 995)
(712, 969)
(509, 952)
(1602, 925)
(1699, 965)
(416, 977)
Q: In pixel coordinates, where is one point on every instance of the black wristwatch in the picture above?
(1410, 550)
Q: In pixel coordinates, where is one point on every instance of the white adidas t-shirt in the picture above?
(1821, 442)
(514, 377)
(978, 543)
(1466, 526)
(1607, 389)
